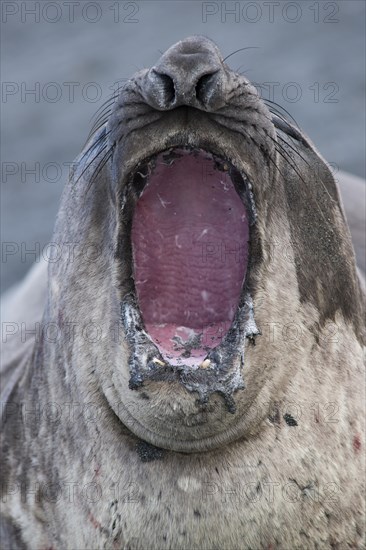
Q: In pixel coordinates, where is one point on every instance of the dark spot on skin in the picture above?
(290, 421)
(148, 452)
(135, 382)
(304, 489)
(275, 417)
(357, 443)
(229, 403)
(197, 513)
(144, 395)
(316, 416)
(315, 330)
(251, 338)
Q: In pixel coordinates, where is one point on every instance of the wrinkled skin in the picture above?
(146, 465)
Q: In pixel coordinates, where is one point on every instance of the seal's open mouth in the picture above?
(190, 247)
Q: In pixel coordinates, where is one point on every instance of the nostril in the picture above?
(205, 87)
(165, 85)
(197, 84)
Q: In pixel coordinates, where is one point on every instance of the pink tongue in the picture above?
(190, 247)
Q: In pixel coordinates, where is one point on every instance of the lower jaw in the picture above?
(220, 372)
(180, 408)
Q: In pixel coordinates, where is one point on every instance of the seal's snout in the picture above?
(191, 73)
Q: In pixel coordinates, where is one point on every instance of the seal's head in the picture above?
(217, 222)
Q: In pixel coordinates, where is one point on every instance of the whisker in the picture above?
(244, 71)
(96, 127)
(104, 104)
(269, 156)
(102, 118)
(241, 50)
(293, 149)
(302, 179)
(275, 106)
(91, 162)
(102, 114)
(95, 143)
(108, 155)
(285, 155)
(281, 151)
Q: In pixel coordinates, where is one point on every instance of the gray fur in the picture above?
(80, 477)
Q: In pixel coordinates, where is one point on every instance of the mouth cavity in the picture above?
(190, 251)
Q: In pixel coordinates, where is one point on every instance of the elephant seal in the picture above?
(197, 379)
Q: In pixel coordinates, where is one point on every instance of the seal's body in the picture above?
(122, 432)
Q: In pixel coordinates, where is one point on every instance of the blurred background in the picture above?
(61, 61)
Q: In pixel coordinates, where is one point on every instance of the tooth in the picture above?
(158, 362)
(205, 364)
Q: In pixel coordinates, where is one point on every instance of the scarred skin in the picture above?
(89, 462)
